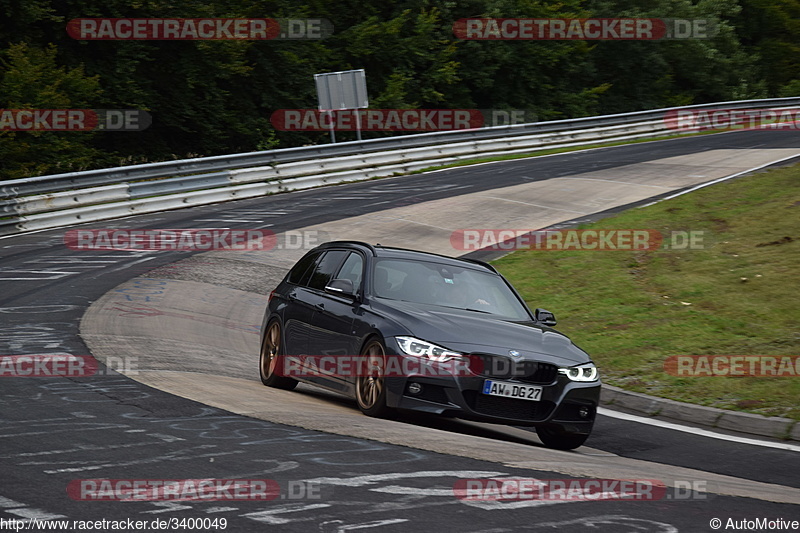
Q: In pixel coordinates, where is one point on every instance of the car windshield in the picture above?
(443, 285)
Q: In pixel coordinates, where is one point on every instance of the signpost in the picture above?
(340, 91)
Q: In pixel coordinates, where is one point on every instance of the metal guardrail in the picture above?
(62, 199)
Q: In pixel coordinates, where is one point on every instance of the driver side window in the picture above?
(353, 269)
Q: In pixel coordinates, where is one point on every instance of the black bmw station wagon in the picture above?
(403, 329)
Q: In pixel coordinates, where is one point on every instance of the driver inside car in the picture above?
(453, 294)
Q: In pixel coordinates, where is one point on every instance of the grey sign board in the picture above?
(342, 90)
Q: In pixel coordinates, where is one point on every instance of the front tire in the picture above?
(270, 358)
(560, 440)
(371, 381)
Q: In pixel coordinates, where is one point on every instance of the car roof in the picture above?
(404, 253)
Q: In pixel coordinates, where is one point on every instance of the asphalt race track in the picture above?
(181, 328)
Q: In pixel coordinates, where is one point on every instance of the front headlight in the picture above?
(419, 348)
(586, 372)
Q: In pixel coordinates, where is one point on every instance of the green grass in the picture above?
(632, 309)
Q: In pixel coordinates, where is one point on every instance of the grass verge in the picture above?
(737, 294)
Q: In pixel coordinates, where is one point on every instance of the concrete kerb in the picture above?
(711, 417)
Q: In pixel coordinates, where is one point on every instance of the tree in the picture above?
(31, 79)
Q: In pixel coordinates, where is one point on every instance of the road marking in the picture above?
(364, 525)
(8, 503)
(620, 182)
(167, 507)
(129, 265)
(269, 517)
(165, 438)
(38, 309)
(52, 274)
(538, 205)
(697, 431)
(246, 220)
(360, 481)
(34, 514)
(637, 524)
(22, 509)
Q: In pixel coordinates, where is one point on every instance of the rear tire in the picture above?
(371, 381)
(560, 440)
(271, 358)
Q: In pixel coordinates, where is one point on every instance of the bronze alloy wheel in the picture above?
(371, 383)
(270, 358)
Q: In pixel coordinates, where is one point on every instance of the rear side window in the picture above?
(325, 268)
(304, 265)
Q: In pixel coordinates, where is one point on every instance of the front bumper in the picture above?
(570, 405)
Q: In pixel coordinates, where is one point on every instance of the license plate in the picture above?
(512, 390)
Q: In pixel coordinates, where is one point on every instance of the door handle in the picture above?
(320, 306)
(293, 296)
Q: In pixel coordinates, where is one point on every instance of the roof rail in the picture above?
(474, 261)
(360, 243)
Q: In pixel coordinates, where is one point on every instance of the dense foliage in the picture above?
(216, 97)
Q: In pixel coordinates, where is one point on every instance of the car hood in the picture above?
(469, 331)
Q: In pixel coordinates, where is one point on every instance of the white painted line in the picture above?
(416, 491)
(225, 220)
(411, 221)
(79, 448)
(167, 507)
(724, 179)
(7, 503)
(129, 265)
(38, 514)
(71, 260)
(696, 431)
(269, 517)
(56, 274)
(369, 525)
(165, 438)
(360, 481)
(537, 205)
(27, 232)
(577, 177)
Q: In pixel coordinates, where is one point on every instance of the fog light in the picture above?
(583, 412)
(414, 388)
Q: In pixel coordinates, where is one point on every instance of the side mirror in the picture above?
(341, 287)
(545, 317)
